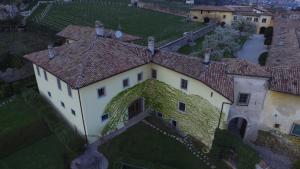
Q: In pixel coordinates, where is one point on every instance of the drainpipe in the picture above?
(83, 122)
(221, 113)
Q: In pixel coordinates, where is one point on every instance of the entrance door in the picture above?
(238, 126)
(135, 108)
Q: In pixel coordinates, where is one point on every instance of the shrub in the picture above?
(263, 58)
(296, 164)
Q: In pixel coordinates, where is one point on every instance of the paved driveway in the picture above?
(252, 49)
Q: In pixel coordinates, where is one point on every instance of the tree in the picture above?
(224, 42)
(244, 26)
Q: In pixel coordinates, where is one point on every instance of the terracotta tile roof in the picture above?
(75, 32)
(213, 76)
(212, 8)
(245, 68)
(285, 48)
(82, 63)
(286, 79)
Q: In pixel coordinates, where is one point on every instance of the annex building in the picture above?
(228, 14)
(99, 82)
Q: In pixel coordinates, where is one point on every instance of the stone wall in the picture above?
(184, 40)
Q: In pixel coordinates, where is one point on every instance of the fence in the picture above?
(188, 37)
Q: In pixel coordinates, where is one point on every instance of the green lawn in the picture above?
(15, 115)
(144, 144)
(136, 21)
(44, 154)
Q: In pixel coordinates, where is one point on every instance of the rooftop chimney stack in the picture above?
(51, 54)
(207, 56)
(151, 44)
(99, 29)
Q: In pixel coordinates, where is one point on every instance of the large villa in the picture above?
(100, 82)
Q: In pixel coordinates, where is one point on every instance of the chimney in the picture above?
(151, 44)
(207, 56)
(99, 29)
(51, 53)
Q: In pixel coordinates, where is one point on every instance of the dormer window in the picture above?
(243, 99)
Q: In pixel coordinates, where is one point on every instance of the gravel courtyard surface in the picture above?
(252, 49)
(274, 160)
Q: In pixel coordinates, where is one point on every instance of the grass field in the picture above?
(33, 137)
(44, 154)
(136, 21)
(144, 144)
(15, 115)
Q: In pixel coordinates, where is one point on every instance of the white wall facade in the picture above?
(58, 96)
(94, 106)
(257, 88)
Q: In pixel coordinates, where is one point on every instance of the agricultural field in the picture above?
(136, 21)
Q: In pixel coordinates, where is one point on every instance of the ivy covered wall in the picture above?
(200, 119)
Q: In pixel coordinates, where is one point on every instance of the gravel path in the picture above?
(252, 49)
(274, 160)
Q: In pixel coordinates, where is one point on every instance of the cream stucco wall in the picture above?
(57, 96)
(212, 15)
(280, 108)
(94, 106)
(195, 87)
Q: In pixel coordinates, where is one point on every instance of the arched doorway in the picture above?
(262, 30)
(136, 108)
(206, 19)
(238, 126)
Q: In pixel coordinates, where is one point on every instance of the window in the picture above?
(276, 125)
(234, 17)
(73, 112)
(296, 130)
(45, 75)
(140, 76)
(264, 20)
(49, 94)
(58, 83)
(243, 99)
(104, 117)
(69, 90)
(211, 94)
(184, 84)
(195, 17)
(255, 19)
(201, 12)
(173, 123)
(224, 16)
(154, 74)
(38, 70)
(101, 92)
(159, 115)
(249, 19)
(181, 106)
(125, 83)
(62, 104)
